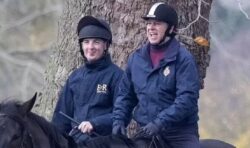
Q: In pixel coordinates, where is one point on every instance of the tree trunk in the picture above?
(128, 34)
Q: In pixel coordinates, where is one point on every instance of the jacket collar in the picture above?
(172, 50)
(170, 54)
(99, 64)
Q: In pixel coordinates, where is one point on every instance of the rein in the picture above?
(154, 142)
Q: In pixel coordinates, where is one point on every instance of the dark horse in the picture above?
(21, 128)
(123, 142)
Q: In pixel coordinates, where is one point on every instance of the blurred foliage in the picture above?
(28, 28)
(228, 21)
(28, 24)
(224, 103)
(243, 140)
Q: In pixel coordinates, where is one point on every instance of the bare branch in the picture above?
(197, 18)
(25, 80)
(186, 37)
(206, 3)
(204, 18)
(16, 61)
(29, 18)
(242, 10)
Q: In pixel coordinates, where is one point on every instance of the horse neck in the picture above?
(50, 134)
(39, 138)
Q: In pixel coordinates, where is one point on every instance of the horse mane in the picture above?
(111, 141)
(10, 107)
(50, 130)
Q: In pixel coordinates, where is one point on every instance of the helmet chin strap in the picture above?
(167, 36)
(106, 48)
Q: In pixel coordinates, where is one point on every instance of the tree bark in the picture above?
(128, 34)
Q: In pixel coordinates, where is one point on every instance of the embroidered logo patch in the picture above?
(166, 71)
(101, 88)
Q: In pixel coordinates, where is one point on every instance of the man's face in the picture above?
(93, 48)
(156, 31)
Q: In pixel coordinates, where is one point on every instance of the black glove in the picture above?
(78, 137)
(150, 130)
(119, 128)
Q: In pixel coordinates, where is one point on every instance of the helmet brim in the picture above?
(145, 18)
(149, 18)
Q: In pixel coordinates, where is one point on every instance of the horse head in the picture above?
(12, 128)
(20, 128)
(11, 133)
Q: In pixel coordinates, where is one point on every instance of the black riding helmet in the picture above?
(91, 27)
(163, 12)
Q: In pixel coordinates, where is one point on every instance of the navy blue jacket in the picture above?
(166, 95)
(88, 95)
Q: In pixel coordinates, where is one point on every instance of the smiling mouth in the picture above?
(92, 54)
(153, 34)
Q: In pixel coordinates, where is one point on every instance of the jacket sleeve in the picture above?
(187, 94)
(64, 104)
(102, 124)
(126, 99)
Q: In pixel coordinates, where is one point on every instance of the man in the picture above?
(89, 92)
(160, 86)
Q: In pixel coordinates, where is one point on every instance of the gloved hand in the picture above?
(119, 128)
(150, 130)
(78, 137)
(74, 131)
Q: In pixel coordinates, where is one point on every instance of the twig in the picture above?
(197, 18)
(28, 18)
(242, 10)
(206, 3)
(25, 80)
(16, 61)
